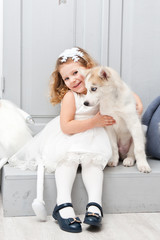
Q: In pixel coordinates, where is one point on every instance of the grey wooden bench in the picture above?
(125, 190)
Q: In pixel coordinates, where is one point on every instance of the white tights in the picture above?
(65, 176)
(92, 176)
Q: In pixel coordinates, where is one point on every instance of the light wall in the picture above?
(1, 39)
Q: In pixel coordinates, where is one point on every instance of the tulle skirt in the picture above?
(52, 147)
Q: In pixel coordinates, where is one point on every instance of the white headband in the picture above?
(73, 53)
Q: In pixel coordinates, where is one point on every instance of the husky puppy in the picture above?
(105, 86)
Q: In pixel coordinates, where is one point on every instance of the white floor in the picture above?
(141, 226)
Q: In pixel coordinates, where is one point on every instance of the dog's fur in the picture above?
(105, 86)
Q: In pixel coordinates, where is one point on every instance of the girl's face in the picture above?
(73, 79)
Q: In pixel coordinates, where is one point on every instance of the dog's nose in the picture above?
(86, 103)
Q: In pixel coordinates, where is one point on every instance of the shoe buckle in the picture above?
(93, 214)
(75, 220)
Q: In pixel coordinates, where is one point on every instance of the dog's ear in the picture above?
(103, 73)
(83, 71)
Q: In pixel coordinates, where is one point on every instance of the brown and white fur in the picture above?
(105, 86)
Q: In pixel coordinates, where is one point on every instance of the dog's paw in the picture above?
(128, 162)
(112, 163)
(144, 167)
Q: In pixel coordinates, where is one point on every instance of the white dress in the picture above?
(52, 147)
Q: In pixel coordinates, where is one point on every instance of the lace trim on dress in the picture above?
(69, 159)
(85, 158)
(23, 164)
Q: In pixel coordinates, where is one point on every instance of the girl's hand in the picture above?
(103, 120)
(139, 108)
(139, 105)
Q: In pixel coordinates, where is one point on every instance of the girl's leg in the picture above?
(92, 176)
(65, 175)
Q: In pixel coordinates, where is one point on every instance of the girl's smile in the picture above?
(77, 84)
(73, 79)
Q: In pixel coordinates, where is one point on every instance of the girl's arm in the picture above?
(71, 126)
(139, 105)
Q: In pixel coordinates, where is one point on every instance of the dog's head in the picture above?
(96, 79)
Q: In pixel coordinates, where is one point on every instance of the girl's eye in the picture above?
(75, 72)
(67, 78)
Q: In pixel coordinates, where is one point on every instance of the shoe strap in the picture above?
(96, 205)
(61, 206)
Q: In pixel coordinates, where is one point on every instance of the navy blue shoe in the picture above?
(67, 224)
(93, 219)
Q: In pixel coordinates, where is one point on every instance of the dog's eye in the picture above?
(93, 89)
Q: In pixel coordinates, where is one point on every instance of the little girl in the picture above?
(75, 137)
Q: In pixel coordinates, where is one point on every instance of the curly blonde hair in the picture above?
(57, 86)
